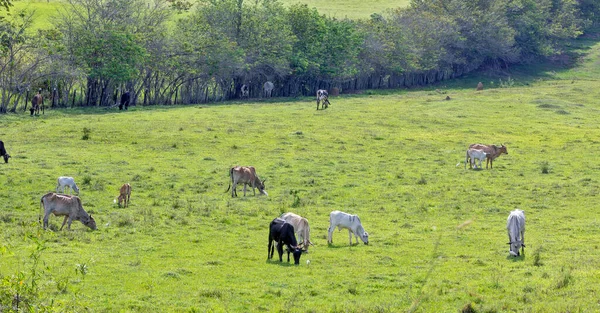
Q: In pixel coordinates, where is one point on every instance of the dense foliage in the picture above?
(103, 47)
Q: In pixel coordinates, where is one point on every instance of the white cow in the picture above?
(515, 224)
(268, 89)
(475, 154)
(64, 181)
(349, 222)
(244, 91)
(300, 227)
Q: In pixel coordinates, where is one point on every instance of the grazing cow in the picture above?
(349, 222)
(65, 181)
(323, 98)
(125, 98)
(3, 152)
(283, 234)
(68, 206)
(245, 91)
(268, 89)
(475, 154)
(515, 224)
(247, 176)
(492, 152)
(36, 102)
(300, 226)
(124, 194)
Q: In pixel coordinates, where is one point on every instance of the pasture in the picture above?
(437, 231)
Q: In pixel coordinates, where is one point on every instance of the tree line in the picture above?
(183, 52)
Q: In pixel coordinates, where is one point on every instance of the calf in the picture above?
(68, 206)
(247, 176)
(3, 152)
(124, 194)
(283, 234)
(300, 226)
(65, 181)
(474, 154)
(515, 224)
(350, 222)
(323, 98)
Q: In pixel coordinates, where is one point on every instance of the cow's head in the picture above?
(76, 189)
(261, 186)
(297, 254)
(515, 247)
(503, 149)
(365, 237)
(91, 223)
(6, 156)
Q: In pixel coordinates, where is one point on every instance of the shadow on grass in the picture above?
(283, 263)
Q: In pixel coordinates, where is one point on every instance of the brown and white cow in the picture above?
(492, 152)
(323, 98)
(68, 206)
(301, 227)
(124, 194)
(36, 102)
(245, 175)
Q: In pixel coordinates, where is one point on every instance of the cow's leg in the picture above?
(245, 189)
(233, 191)
(64, 222)
(270, 249)
(330, 233)
(280, 250)
(46, 215)
(350, 236)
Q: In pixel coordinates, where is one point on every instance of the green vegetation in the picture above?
(437, 231)
(341, 9)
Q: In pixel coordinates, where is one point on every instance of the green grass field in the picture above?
(437, 231)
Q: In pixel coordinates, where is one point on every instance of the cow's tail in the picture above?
(41, 210)
(467, 159)
(231, 181)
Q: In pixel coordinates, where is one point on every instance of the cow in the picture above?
(247, 176)
(124, 194)
(244, 91)
(283, 234)
(323, 98)
(475, 154)
(300, 226)
(36, 102)
(479, 86)
(68, 206)
(515, 224)
(492, 152)
(125, 98)
(3, 152)
(65, 181)
(268, 89)
(348, 221)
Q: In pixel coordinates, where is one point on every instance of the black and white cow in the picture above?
(323, 98)
(3, 152)
(282, 233)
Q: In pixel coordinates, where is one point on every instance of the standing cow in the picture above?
(125, 98)
(492, 152)
(323, 98)
(515, 224)
(347, 221)
(475, 154)
(68, 206)
(124, 194)
(36, 102)
(245, 175)
(300, 226)
(244, 92)
(3, 152)
(283, 234)
(268, 89)
(64, 182)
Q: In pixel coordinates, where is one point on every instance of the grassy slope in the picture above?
(350, 9)
(184, 244)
